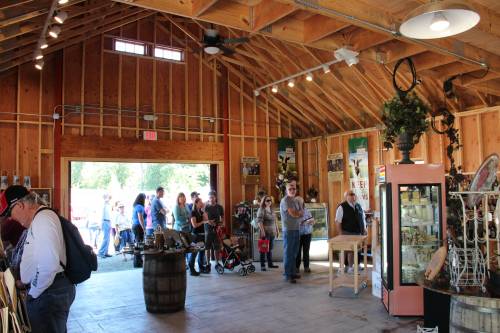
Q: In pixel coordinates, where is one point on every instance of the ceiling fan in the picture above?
(213, 43)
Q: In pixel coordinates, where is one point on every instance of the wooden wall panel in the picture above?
(490, 124)
(470, 141)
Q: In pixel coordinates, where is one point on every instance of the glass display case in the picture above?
(412, 224)
(420, 233)
(319, 239)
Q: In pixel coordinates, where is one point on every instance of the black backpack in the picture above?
(80, 257)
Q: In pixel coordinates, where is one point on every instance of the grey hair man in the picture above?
(50, 292)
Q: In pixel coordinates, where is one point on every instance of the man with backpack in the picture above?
(51, 292)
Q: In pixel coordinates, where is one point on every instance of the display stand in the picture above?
(348, 243)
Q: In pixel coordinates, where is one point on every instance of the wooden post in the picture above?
(224, 105)
(82, 94)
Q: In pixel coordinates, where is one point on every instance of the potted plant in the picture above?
(405, 120)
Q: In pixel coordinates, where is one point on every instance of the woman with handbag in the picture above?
(268, 230)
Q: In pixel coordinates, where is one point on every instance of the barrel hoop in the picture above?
(465, 329)
(481, 309)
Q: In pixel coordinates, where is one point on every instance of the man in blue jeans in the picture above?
(106, 227)
(291, 215)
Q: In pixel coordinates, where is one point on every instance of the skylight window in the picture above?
(168, 53)
(129, 47)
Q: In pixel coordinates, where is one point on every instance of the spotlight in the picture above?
(42, 44)
(39, 64)
(439, 22)
(291, 83)
(256, 92)
(38, 55)
(54, 32)
(62, 2)
(309, 77)
(61, 17)
(274, 89)
(326, 69)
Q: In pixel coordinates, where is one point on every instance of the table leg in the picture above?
(356, 269)
(365, 259)
(341, 262)
(330, 269)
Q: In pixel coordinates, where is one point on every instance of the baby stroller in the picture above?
(231, 256)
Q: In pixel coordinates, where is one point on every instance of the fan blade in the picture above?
(226, 50)
(236, 40)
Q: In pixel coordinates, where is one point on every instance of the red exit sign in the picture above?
(150, 135)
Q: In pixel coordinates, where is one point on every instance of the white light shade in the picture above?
(309, 77)
(429, 20)
(42, 43)
(212, 49)
(274, 89)
(54, 32)
(256, 93)
(38, 55)
(291, 83)
(326, 69)
(61, 17)
(62, 2)
(39, 64)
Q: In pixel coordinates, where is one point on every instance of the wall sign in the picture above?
(335, 167)
(358, 170)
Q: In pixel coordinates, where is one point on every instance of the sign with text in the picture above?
(358, 170)
(250, 170)
(150, 135)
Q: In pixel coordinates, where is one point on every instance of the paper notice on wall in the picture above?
(335, 167)
(250, 170)
(358, 170)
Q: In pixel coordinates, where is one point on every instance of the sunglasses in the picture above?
(268, 200)
(352, 193)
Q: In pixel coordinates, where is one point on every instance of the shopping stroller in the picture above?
(231, 256)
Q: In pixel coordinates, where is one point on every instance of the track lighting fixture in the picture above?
(38, 55)
(54, 31)
(291, 83)
(61, 17)
(39, 64)
(62, 2)
(256, 92)
(274, 89)
(309, 77)
(326, 69)
(42, 44)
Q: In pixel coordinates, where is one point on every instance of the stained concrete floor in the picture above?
(261, 302)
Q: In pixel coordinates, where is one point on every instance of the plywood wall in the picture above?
(102, 96)
(479, 136)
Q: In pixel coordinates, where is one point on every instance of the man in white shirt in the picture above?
(350, 220)
(50, 291)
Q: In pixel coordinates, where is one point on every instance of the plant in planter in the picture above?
(405, 121)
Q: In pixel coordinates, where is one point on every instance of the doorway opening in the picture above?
(118, 184)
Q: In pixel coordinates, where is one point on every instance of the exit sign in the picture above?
(150, 135)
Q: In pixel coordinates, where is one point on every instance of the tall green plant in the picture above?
(405, 114)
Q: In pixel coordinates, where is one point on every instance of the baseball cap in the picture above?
(212, 193)
(10, 196)
(193, 194)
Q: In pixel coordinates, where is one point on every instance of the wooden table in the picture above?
(348, 243)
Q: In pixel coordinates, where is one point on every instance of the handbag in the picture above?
(263, 245)
(116, 241)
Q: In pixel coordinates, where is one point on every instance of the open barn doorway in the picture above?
(116, 185)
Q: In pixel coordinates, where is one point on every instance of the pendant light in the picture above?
(439, 19)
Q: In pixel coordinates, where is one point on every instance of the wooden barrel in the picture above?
(474, 314)
(164, 282)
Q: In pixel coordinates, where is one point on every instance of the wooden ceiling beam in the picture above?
(88, 24)
(21, 29)
(472, 78)
(268, 12)
(136, 14)
(198, 7)
(7, 4)
(320, 26)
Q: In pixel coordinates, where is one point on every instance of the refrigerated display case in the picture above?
(319, 238)
(413, 226)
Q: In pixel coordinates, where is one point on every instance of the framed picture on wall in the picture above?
(45, 194)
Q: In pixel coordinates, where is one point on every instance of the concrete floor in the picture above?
(261, 302)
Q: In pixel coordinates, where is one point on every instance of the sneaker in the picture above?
(263, 269)
(296, 276)
(108, 255)
(194, 272)
(273, 266)
(350, 270)
(292, 280)
(307, 270)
